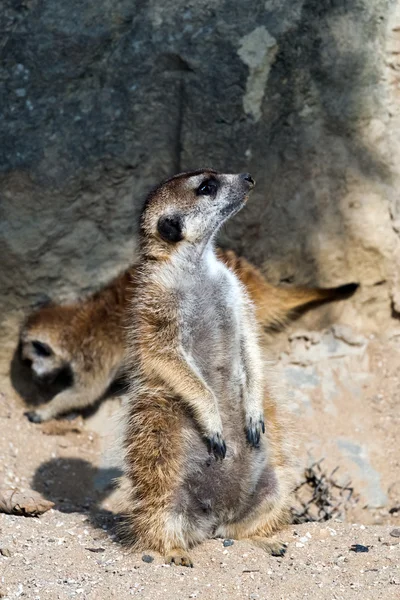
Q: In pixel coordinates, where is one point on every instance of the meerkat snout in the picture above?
(247, 177)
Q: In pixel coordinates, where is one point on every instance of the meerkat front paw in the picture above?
(33, 416)
(254, 428)
(216, 446)
(38, 416)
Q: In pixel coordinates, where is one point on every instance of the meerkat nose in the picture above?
(247, 177)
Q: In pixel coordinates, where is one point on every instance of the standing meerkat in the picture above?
(86, 339)
(197, 461)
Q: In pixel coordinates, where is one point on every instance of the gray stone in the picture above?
(359, 548)
(227, 543)
(301, 377)
(147, 558)
(376, 497)
(347, 335)
(395, 533)
(332, 343)
(100, 100)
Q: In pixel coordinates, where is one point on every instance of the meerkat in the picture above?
(86, 339)
(206, 452)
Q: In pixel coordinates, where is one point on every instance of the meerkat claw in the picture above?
(216, 446)
(33, 417)
(274, 548)
(254, 430)
(180, 558)
(278, 549)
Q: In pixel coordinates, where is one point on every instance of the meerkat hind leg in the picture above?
(272, 547)
(178, 557)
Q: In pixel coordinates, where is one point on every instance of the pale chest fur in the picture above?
(209, 306)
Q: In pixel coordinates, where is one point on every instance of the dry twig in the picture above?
(319, 497)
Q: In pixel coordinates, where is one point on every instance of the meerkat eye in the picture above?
(41, 349)
(170, 228)
(209, 187)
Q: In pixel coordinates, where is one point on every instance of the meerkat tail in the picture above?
(274, 305)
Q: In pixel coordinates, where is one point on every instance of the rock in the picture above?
(347, 335)
(6, 552)
(359, 548)
(227, 543)
(337, 342)
(147, 558)
(395, 533)
(26, 503)
(304, 539)
(301, 94)
(371, 478)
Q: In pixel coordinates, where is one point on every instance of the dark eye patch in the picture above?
(170, 228)
(208, 187)
(42, 349)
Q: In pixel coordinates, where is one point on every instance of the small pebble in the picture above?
(395, 533)
(227, 543)
(5, 552)
(304, 539)
(359, 548)
(95, 549)
(147, 558)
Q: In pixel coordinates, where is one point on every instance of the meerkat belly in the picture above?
(211, 338)
(216, 493)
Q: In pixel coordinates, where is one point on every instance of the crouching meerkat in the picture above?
(86, 339)
(197, 461)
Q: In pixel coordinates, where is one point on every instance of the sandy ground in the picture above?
(346, 405)
(64, 556)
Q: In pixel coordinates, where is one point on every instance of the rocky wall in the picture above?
(100, 100)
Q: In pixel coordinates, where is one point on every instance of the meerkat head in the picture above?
(190, 208)
(40, 343)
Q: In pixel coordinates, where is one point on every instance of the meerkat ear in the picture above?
(170, 228)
